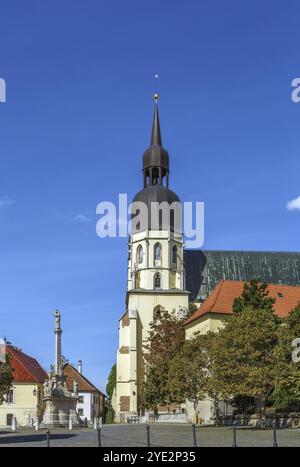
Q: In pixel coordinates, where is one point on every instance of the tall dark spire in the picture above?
(156, 169)
(156, 158)
(156, 134)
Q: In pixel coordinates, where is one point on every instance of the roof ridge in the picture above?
(247, 251)
(269, 284)
(84, 378)
(217, 293)
(214, 296)
(15, 352)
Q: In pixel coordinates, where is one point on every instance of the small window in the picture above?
(157, 281)
(80, 400)
(9, 419)
(174, 255)
(157, 252)
(80, 412)
(140, 254)
(10, 396)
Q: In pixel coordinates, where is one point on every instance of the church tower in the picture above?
(156, 279)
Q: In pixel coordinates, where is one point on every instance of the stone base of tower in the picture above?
(133, 333)
(126, 397)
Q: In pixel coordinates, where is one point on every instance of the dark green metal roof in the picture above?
(206, 268)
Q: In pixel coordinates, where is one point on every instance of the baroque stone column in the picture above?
(58, 332)
(60, 403)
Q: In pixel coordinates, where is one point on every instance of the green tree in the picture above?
(156, 391)
(287, 372)
(6, 377)
(243, 355)
(110, 387)
(256, 296)
(166, 337)
(190, 370)
(293, 322)
(111, 382)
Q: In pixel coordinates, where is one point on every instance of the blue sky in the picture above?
(77, 119)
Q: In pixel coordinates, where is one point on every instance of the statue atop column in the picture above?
(60, 403)
(57, 320)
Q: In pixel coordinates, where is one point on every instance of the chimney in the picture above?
(80, 366)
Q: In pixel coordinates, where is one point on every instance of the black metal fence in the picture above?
(194, 442)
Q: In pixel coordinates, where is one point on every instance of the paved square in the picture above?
(161, 435)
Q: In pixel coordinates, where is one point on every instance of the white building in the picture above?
(91, 402)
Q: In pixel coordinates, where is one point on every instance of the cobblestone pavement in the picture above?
(161, 435)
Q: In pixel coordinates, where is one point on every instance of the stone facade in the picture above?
(26, 404)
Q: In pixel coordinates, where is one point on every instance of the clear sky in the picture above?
(77, 119)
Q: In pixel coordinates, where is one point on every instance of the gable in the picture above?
(25, 368)
(83, 383)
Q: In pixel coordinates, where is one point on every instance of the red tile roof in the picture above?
(220, 301)
(83, 383)
(25, 369)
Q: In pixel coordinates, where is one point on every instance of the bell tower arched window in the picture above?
(139, 254)
(157, 281)
(157, 252)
